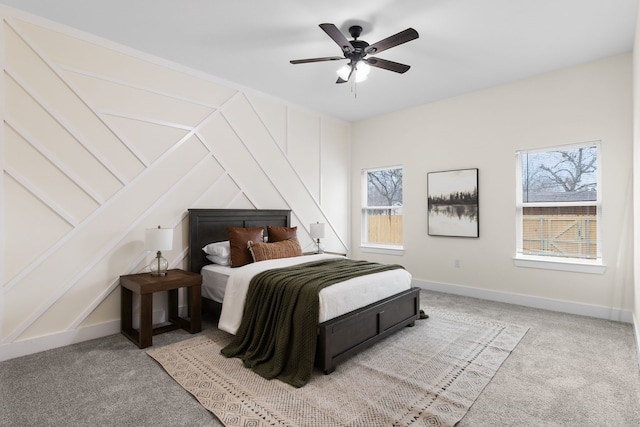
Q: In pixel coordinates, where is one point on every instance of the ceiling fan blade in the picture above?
(337, 36)
(394, 40)
(326, 58)
(387, 65)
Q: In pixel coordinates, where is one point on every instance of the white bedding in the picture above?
(214, 281)
(335, 300)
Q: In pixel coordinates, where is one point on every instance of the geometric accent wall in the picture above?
(100, 142)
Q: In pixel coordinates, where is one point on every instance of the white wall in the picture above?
(483, 130)
(100, 142)
(636, 183)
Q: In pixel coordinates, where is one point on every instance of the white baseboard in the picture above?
(600, 312)
(61, 339)
(636, 330)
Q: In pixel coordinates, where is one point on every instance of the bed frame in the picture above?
(338, 338)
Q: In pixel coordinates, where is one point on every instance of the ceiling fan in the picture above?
(356, 52)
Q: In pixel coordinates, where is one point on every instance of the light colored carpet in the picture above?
(429, 374)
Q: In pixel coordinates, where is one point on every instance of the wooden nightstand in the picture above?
(144, 284)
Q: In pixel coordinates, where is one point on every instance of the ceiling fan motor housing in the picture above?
(359, 46)
(358, 53)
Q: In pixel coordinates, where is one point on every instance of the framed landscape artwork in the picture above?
(452, 201)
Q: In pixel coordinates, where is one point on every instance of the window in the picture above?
(559, 204)
(382, 208)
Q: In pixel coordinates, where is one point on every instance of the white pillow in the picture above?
(220, 260)
(221, 249)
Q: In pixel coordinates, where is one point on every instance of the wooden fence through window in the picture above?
(385, 229)
(573, 236)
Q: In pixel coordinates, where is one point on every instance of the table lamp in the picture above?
(158, 239)
(317, 232)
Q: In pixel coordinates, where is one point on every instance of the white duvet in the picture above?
(335, 300)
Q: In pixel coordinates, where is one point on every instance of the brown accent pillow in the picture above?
(278, 234)
(238, 238)
(283, 249)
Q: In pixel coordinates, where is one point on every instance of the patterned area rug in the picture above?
(429, 374)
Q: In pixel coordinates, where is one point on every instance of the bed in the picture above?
(339, 337)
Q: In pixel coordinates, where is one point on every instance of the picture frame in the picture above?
(452, 203)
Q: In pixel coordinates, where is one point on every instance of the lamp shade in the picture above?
(158, 239)
(361, 72)
(316, 231)
(343, 72)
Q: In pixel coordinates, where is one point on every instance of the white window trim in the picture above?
(558, 263)
(561, 264)
(382, 249)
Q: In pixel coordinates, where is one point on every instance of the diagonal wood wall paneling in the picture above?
(101, 142)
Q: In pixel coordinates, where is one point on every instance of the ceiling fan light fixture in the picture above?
(343, 72)
(361, 72)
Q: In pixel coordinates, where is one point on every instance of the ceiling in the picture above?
(464, 45)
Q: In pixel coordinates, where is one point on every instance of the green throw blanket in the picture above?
(278, 334)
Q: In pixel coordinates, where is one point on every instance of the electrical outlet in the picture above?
(456, 263)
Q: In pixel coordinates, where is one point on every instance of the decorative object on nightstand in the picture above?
(317, 232)
(158, 239)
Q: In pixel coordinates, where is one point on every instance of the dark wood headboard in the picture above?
(210, 225)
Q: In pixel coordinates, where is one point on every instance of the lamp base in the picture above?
(159, 265)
